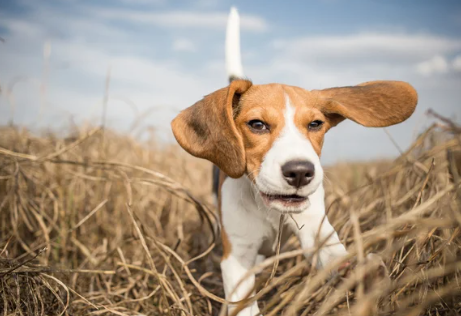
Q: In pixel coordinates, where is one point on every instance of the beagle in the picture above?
(266, 141)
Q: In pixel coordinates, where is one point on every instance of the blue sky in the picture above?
(165, 55)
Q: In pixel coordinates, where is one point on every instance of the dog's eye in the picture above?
(315, 125)
(258, 126)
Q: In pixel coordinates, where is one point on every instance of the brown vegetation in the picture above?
(98, 223)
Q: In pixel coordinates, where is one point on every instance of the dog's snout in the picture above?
(298, 173)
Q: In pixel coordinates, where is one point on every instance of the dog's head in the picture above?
(274, 133)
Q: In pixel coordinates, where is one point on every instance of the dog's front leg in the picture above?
(332, 247)
(234, 268)
(242, 232)
(313, 226)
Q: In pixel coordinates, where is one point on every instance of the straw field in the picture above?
(97, 223)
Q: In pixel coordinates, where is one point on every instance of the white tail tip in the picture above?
(233, 59)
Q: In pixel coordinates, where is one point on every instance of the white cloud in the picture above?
(457, 63)
(437, 64)
(184, 45)
(367, 47)
(25, 28)
(77, 90)
(330, 60)
(184, 19)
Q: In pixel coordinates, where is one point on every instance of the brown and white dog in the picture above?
(266, 141)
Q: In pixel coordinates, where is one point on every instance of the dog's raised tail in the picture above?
(233, 67)
(233, 58)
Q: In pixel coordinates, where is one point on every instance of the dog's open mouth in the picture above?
(292, 199)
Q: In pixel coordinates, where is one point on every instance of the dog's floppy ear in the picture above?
(207, 129)
(371, 104)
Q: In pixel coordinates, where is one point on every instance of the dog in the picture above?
(265, 142)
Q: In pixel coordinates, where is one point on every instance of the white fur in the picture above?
(233, 59)
(251, 226)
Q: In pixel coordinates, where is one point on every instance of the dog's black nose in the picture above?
(298, 173)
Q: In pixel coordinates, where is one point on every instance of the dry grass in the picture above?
(97, 223)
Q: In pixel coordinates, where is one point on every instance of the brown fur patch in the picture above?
(268, 103)
(371, 104)
(207, 129)
(265, 103)
(226, 244)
